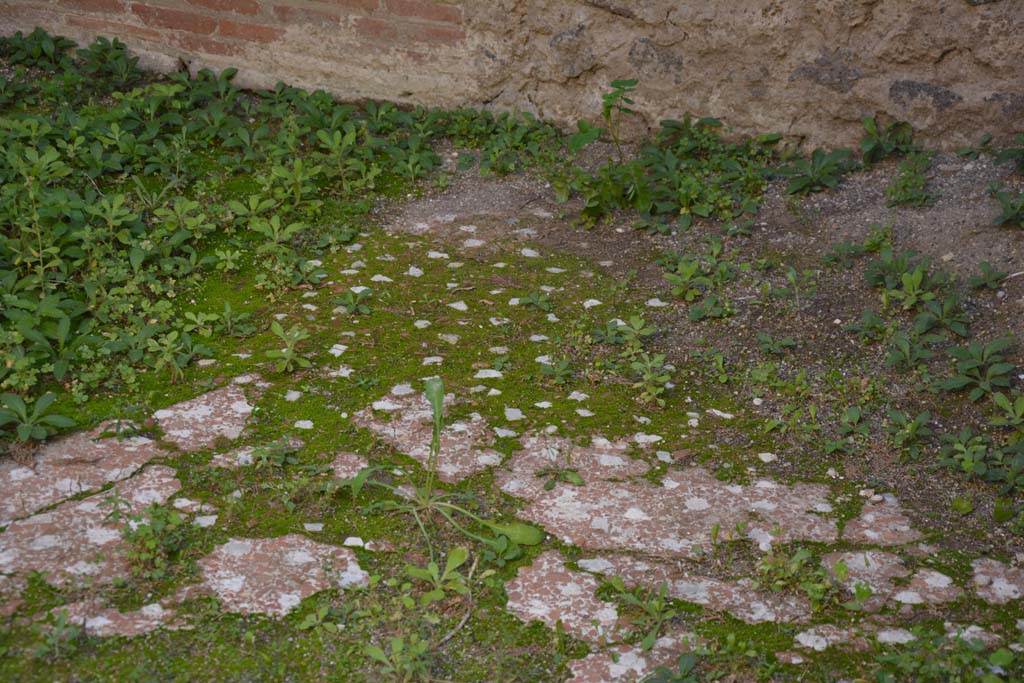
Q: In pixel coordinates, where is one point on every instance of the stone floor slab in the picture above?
(550, 592)
(997, 583)
(74, 544)
(70, 466)
(410, 430)
(602, 459)
(629, 663)
(675, 519)
(881, 523)
(739, 598)
(110, 621)
(273, 575)
(201, 422)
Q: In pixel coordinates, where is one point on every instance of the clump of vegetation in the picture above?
(822, 171)
(879, 142)
(910, 187)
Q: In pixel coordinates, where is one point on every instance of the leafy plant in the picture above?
(425, 502)
(683, 672)
(655, 608)
(155, 540)
(910, 187)
(908, 433)
(35, 424)
(1012, 407)
(982, 368)
(356, 302)
(57, 636)
(989, 278)
(616, 103)
(1011, 208)
(442, 582)
(906, 354)
(769, 344)
(405, 660)
(287, 358)
(880, 142)
(822, 171)
(1014, 155)
(653, 376)
(38, 49)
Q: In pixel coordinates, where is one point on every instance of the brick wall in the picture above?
(810, 69)
(357, 48)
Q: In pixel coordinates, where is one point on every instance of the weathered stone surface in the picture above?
(875, 569)
(347, 465)
(881, 523)
(629, 663)
(550, 592)
(671, 520)
(997, 583)
(273, 575)
(74, 544)
(97, 621)
(806, 69)
(824, 636)
(928, 587)
(410, 430)
(202, 421)
(70, 466)
(602, 459)
(739, 598)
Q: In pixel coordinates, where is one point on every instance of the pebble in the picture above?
(767, 457)
(292, 396)
(450, 338)
(433, 360)
(337, 350)
(421, 324)
(436, 255)
(459, 306)
(583, 412)
(205, 521)
(529, 253)
(304, 424)
(353, 542)
(538, 337)
(488, 373)
(313, 526)
(590, 303)
(381, 278)
(513, 414)
(503, 433)
(578, 396)
(414, 272)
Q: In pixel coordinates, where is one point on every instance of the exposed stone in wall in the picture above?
(810, 70)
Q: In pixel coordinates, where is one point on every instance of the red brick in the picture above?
(202, 44)
(396, 31)
(425, 9)
(300, 15)
(253, 32)
(95, 5)
(113, 28)
(161, 17)
(249, 7)
(361, 5)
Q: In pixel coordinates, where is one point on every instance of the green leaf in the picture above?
(1001, 657)
(456, 558)
(518, 532)
(375, 653)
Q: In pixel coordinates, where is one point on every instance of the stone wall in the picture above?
(809, 69)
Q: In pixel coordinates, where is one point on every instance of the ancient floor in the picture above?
(650, 510)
